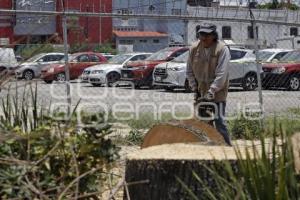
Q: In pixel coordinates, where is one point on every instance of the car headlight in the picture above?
(50, 70)
(279, 70)
(176, 68)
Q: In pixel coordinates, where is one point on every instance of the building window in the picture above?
(124, 11)
(250, 32)
(156, 41)
(126, 42)
(143, 41)
(197, 29)
(226, 32)
(176, 11)
(294, 31)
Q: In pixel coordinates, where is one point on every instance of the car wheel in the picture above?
(250, 82)
(28, 75)
(61, 77)
(137, 86)
(96, 84)
(48, 81)
(169, 89)
(112, 78)
(294, 83)
(187, 87)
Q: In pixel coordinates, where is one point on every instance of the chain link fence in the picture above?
(131, 60)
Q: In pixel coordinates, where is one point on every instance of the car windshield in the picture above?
(34, 58)
(291, 56)
(119, 59)
(160, 55)
(264, 55)
(182, 58)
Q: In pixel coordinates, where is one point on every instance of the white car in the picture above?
(7, 59)
(242, 71)
(271, 55)
(110, 72)
(171, 75)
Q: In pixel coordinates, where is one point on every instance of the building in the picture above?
(6, 24)
(174, 29)
(93, 30)
(241, 33)
(140, 41)
(30, 29)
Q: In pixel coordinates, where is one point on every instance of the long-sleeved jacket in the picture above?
(207, 69)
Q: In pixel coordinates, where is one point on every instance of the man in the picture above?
(207, 72)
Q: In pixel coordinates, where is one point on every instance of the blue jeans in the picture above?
(220, 122)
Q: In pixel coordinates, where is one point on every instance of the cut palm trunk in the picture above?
(163, 171)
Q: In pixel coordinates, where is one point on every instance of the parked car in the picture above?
(171, 75)
(140, 72)
(272, 55)
(77, 63)
(242, 71)
(283, 74)
(8, 61)
(32, 67)
(109, 73)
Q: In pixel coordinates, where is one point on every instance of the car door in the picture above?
(45, 61)
(77, 67)
(237, 65)
(278, 56)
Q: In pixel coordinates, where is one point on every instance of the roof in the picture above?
(139, 34)
(276, 50)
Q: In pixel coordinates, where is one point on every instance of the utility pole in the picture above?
(100, 24)
(258, 65)
(67, 71)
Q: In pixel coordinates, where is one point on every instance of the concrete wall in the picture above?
(172, 27)
(90, 29)
(267, 33)
(149, 46)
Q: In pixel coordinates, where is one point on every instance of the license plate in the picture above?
(125, 75)
(158, 78)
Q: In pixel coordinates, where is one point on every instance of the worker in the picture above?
(207, 72)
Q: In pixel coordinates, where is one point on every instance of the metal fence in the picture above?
(128, 87)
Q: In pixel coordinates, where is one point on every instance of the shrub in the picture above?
(268, 174)
(51, 158)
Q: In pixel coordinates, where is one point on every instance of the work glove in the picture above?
(210, 95)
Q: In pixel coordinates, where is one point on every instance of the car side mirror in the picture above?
(275, 60)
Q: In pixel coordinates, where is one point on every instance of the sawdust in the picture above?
(189, 151)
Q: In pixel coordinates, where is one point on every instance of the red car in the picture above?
(284, 74)
(140, 72)
(77, 63)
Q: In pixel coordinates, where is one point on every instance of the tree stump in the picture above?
(153, 173)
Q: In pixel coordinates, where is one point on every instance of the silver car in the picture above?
(32, 67)
(242, 71)
(110, 72)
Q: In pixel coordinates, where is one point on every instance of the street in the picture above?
(125, 99)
